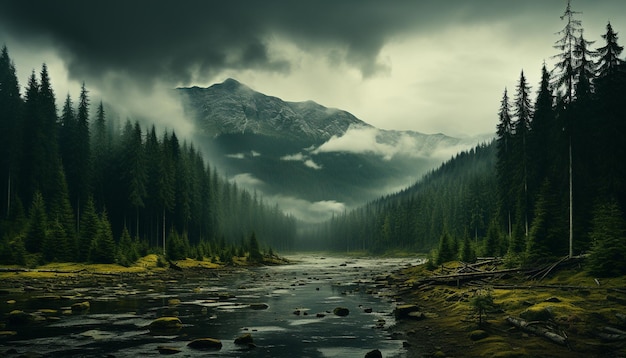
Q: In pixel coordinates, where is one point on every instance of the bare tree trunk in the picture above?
(571, 202)
(164, 232)
(9, 195)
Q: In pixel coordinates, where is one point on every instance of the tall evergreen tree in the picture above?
(609, 61)
(37, 225)
(10, 105)
(100, 153)
(80, 183)
(521, 127)
(504, 143)
(563, 73)
(610, 88)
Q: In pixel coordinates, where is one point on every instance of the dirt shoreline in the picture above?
(447, 321)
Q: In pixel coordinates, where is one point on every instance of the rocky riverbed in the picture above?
(313, 307)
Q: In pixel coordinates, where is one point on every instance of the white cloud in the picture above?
(236, 156)
(311, 164)
(309, 211)
(298, 157)
(387, 144)
(247, 180)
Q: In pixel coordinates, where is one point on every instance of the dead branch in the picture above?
(537, 330)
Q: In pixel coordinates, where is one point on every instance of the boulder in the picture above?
(478, 334)
(165, 350)
(537, 314)
(165, 326)
(205, 343)
(81, 306)
(402, 311)
(416, 315)
(18, 317)
(341, 311)
(245, 339)
(259, 306)
(374, 354)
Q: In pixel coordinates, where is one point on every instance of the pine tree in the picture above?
(610, 86)
(102, 249)
(504, 165)
(563, 73)
(37, 225)
(81, 182)
(127, 250)
(254, 251)
(10, 105)
(446, 250)
(521, 128)
(32, 139)
(100, 155)
(543, 137)
(89, 227)
(609, 241)
(609, 61)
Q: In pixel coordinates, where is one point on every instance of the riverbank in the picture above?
(588, 314)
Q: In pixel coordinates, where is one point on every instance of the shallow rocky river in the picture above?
(287, 310)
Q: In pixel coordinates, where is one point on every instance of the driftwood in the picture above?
(611, 334)
(20, 269)
(532, 327)
(465, 276)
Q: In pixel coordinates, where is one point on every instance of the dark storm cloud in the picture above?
(173, 40)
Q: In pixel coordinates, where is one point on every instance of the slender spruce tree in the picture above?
(504, 143)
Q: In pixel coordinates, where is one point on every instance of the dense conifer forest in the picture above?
(550, 185)
(78, 186)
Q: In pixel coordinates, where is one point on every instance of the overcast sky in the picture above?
(430, 66)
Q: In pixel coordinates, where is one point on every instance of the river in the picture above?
(298, 320)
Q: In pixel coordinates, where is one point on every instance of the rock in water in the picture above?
(374, 354)
(81, 306)
(402, 311)
(341, 311)
(165, 326)
(205, 343)
(259, 306)
(245, 339)
(165, 350)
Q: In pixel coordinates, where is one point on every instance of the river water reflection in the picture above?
(297, 322)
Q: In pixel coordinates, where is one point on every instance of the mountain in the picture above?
(233, 108)
(312, 160)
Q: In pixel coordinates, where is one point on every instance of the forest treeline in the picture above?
(550, 185)
(83, 187)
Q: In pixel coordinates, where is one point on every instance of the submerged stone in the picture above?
(165, 350)
(374, 354)
(259, 306)
(165, 326)
(205, 343)
(245, 339)
(81, 306)
(341, 311)
(402, 311)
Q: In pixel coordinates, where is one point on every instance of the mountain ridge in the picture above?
(312, 160)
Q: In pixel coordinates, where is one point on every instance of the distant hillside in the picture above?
(312, 160)
(458, 197)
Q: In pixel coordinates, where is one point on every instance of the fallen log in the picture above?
(464, 276)
(538, 330)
